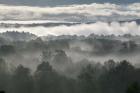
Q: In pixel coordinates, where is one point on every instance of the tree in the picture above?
(87, 80)
(129, 46)
(117, 79)
(109, 65)
(45, 79)
(3, 74)
(61, 61)
(133, 88)
(22, 81)
(7, 49)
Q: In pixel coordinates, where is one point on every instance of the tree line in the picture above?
(110, 77)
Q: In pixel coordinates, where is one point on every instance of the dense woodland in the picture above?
(51, 68)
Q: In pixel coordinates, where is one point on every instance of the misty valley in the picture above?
(69, 46)
(69, 63)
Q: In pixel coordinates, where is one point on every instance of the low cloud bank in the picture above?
(83, 12)
(100, 28)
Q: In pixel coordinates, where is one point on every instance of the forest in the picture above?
(69, 64)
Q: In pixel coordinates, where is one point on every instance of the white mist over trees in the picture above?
(64, 64)
(69, 46)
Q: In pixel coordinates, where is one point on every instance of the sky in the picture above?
(104, 16)
(62, 2)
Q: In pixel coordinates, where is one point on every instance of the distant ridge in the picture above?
(53, 24)
(17, 36)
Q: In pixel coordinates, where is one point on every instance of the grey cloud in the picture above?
(115, 28)
(82, 13)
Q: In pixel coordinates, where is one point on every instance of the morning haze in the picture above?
(69, 46)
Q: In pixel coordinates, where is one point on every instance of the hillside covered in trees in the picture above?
(69, 64)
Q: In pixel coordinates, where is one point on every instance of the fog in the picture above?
(77, 57)
(27, 59)
(99, 28)
(78, 48)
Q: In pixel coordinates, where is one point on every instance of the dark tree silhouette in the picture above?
(87, 80)
(22, 81)
(133, 88)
